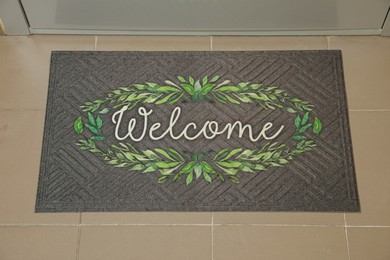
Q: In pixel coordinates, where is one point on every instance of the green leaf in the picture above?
(245, 154)
(204, 81)
(120, 156)
(219, 97)
(297, 122)
(78, 125)
(198, 170)
(139, 86)
(182, 79)
(242, 85)
(152, 85)
(207, 177)
(197, 86)
(99, 122)
(129, 156)
(189, 89)
(243, 98)
(206, 167)
(165, 165)
(167, 89)
(138, 167)
(139, 157)
(161, 151)
(232, 164)
(112, 162)
(189, 178)
(227, 89)
(234, 179)
(165, 99)
(104, 111)
(150, 154)
(177, 177)
(233, 152)
(176, 98)
(152, 98)
(214, 79)
(246, 169)
(260, 167)
(305, 118)
(192, 81)
(232, 100)
(206, 89)
(267, 155)
(298, 137)
(317, 126)
(174, 153)
(290, 110)
(283, 161)
(255, 86)
(121, 165)
(189, 167)
(162, 179)
(259, 96)
(98, 137)
(168, 171)
(219, 154)
(304, 128)
(275, 164)
(92, 129)
(91, 119)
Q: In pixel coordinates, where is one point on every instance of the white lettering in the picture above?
(209, 130)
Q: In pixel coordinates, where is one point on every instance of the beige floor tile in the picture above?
(244, 43)
(147, 218)
(146, 242)
(20, 148)
(24, 67)
(366, 68)
(282, 218)
(370, 135)
(38, 243)
(369, 243)
(153, 43)
(301, 243)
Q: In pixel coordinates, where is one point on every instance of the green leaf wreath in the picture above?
(220, 165)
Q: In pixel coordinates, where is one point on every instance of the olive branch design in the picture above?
(225, 164)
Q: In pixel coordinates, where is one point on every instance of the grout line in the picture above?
(212, 235)
(367, 226)
(370, 110)
(211, 43)
(142, 225)
(346, 236)
(78, 243)
(39, 225)
(96, 38)
(78, 237)
(196, 225)
(278, 225)
(22, 109)
(327, 42)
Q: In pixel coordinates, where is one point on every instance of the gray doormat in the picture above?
(197, 131)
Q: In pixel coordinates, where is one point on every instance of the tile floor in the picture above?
(24, 71)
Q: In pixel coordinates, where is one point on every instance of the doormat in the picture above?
(197, 131)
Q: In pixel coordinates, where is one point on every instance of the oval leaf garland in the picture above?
(173, 165)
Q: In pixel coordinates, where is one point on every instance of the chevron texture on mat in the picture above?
(321, 180)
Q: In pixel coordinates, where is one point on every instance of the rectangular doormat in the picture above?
(197, 131)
